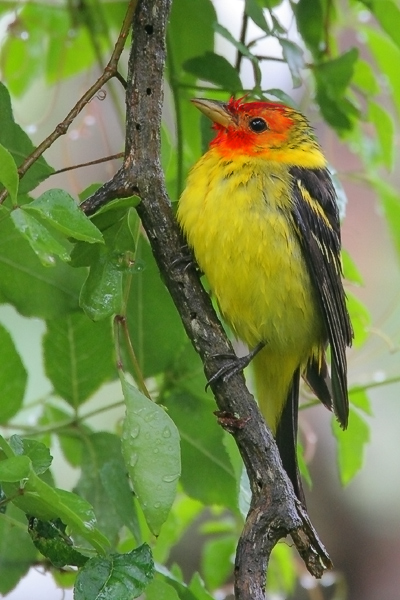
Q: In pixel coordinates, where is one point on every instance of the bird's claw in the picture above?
(235, 365)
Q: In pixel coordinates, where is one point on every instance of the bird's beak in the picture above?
(214, 110)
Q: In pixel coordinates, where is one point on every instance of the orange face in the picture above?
(255, 128)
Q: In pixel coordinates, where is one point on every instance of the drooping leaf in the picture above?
(150, 445)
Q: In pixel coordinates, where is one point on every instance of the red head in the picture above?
(265, 129)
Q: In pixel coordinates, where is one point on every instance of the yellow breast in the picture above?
(236, 216)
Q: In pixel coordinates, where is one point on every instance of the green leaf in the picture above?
(154, 325)
(337, 73)
(351, 444)
(293, 55)
(218, 558)
(160, 590)
(52, 292)
(8, 173)
(384, 126)
(332, 78)
(187, 38)
(13, 379)
(216, 69)
(19, 145)
(59, 209)
(282, 573)
(254, 11)
(104, 483)
(184, 512)
(196, 586)
(350, 269)
(70, 443)
(387, 56)
(17, 552)
(37, 452)
(122, 576)
(310, 23)
(242, 48)
(150, 445)
(44, 245)
(175, 581)
(360, 319)
(303, 467)
(390, 202)
(190, 37)
(102, 293)
(359, 398)
(40, 500)
(51, 540)
(364, 77)
(387, 13)
(15, 468)
(78, 356)
(213, 481)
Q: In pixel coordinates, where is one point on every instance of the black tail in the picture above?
(286, 437)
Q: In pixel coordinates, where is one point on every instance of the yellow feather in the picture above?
(235, 214)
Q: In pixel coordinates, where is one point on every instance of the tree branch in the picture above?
(275, 511)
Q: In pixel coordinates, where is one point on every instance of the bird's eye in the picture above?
(258, 125)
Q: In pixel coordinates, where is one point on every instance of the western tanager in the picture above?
(259, 211)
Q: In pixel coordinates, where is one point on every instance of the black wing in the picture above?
(316, 220)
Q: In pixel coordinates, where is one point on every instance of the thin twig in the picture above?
(62, 128)
(89, 164)
(242, 39)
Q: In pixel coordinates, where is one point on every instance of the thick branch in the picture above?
(275, 511)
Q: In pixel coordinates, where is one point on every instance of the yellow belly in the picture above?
(235, 218)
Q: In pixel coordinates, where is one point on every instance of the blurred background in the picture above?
(359, 524)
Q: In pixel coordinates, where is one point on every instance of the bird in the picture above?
(259, 212)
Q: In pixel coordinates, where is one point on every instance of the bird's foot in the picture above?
(235, 364)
